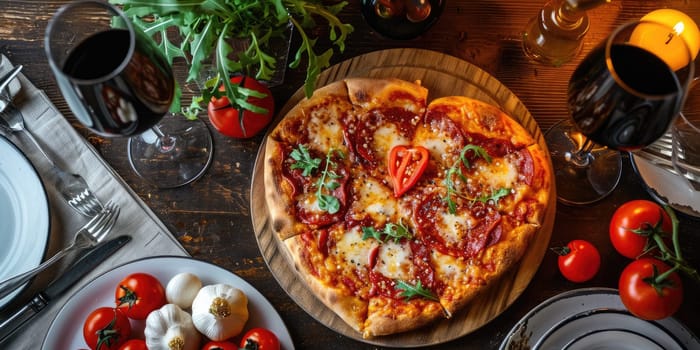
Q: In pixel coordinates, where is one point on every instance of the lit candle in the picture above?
(665, 43)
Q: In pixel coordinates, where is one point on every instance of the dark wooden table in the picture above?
(211, 217)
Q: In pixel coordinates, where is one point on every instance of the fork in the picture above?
(87, 236)
(71, 186)
(661, 153)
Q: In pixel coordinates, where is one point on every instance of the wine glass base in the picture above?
(173, 153)
(581, 183)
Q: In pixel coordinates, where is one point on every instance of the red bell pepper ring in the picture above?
(406, 165)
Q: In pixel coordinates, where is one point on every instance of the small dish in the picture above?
(594, 318)
(65, 331)
(24, 214)
(666, 187)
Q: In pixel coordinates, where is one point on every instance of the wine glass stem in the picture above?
(165, 142)
(581, 157)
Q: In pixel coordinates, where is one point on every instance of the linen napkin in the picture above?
(150, 237)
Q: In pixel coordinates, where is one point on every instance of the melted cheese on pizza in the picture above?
(500, 173)
(375, 200)
(454, 228)
(438, 142)
(386, 137)
(354, 250)
(395, 261)
(324, 132)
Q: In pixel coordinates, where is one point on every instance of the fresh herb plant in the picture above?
(327, 182)
(494, 196)
(304, 161)
(206, 28)
(412, 291)
(390, 231)
(455, 172)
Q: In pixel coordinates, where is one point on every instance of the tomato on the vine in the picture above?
(632, 225)
(106, 328)
(578, 261)
(242, 123)
(134, 344)
(644, 295)
(220, 345)
(260, 339)
(138, 294)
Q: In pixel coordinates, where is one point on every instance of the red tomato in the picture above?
(632, 223)
(642, 298)
(264, 338)
(106, 328)
(138, 294)
(220, 345)
(579, 261)
(227, 119)
(134, 344)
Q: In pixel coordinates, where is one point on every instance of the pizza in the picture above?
(397, 211)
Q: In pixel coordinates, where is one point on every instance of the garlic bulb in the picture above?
(170, 328)
(182, 289)
(220, 311)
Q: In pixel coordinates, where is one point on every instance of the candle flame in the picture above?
(679, 28)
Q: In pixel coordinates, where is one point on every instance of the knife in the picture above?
(85, 263)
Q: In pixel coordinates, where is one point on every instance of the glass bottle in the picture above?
(555, 35)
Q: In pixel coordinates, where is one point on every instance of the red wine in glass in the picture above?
(122, 97)
(633, 111)
(117, 82)
(621, 97)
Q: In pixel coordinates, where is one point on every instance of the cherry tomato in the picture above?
(138, 294)
(106, 328)
(643, 298)
(264, 338)
(220, 345)
(579, 261)
(228, 120)
(134, 344)
(632, 223)
(406, 165)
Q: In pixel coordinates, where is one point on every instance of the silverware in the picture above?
(660, 153)
(71, 186)
(88, 236)
(5, 81)
(83, 264)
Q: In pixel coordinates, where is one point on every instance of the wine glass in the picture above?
(621, 97)
(117, 83)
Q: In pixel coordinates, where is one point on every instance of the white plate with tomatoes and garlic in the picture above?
(161, 300)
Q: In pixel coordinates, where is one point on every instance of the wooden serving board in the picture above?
(443, 76)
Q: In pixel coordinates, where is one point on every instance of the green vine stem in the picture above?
(676, 257)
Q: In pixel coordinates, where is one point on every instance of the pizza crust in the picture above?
(352, 309)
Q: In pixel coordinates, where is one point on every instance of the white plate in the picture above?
(667, 187)
(24, 215)
(66, 332)
(594, 318)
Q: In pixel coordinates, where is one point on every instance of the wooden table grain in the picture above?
(212, 216)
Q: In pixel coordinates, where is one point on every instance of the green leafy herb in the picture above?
(411, 291)
(206, 29)
(391, 231)
(456, 171)
(494, 196)
(327, 182)
(304, 161)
